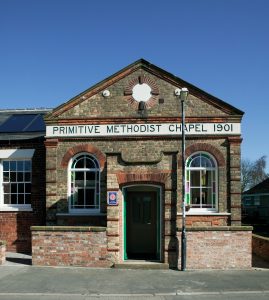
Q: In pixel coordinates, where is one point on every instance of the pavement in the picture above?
(19, 280)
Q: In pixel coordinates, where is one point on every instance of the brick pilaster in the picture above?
(234, 178)
(51, 182)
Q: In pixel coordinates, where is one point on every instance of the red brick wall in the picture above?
(260, 246)
(70, 246)
(15, 230)
(2, 252)
(229, 248)
(15, 226)
(204, 220)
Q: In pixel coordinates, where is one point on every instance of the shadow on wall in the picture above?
(65, 219)
(24, 220)
(173, 245)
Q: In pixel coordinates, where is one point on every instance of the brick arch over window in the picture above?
(207, 148)
(124, 178)
(84, 148)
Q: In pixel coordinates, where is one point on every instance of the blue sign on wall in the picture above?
(112, 198)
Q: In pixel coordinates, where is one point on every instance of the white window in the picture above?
(84, 184)
(201, 182)
(15, 179)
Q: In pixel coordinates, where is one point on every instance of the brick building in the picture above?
(22, 176)
(113, 176)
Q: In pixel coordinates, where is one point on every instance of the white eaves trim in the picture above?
(16, 153)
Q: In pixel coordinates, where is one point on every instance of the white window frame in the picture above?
(215, 169)
(83, 211)
(14, 155)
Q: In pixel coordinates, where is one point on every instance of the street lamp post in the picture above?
(183, 93)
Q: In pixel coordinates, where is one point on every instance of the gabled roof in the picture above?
(260, 188)
(147, 66)
(22, 123)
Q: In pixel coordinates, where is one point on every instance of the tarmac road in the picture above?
(46, 283)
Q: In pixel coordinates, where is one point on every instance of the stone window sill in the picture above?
(205, 213)
(16, 208)
(80, 214)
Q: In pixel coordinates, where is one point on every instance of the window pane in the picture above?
(80, 198)
(6, 165)
(13, 166)
(27, 177)
(205, 162)
(207, 197)
(6, 176)
(195, 162)
(89, 198)
(206, 178)
(13, 198)
(188, 198)
(13, 188)
(7, 188)
(195, 197)
(79, 164)
(27, 187)
(21, 188)
(90, 164)
(214, 200)
(27, 165)
(20, 198)
(90, 177)
(7, 199)
(20, 165)
(20, 176)
(13, 177)
(27, 198)
(79, 179)
(195, 178)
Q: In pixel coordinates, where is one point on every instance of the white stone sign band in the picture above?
(150, 129)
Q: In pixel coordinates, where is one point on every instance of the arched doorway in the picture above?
(142, 222)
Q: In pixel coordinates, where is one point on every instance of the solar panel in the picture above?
(23, 123)
(37, 124)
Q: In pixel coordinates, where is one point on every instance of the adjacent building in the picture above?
(255, 204)
(22, 175)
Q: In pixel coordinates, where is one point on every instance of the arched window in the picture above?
(84, 184)
(201, 181)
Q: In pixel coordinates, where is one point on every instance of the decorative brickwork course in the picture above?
(70, 246)
(260, 246)
(207, 148)
(84, 148)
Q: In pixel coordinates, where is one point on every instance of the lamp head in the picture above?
(184, 94)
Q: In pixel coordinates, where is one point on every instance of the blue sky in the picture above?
(52, 50)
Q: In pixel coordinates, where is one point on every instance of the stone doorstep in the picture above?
(141, 265)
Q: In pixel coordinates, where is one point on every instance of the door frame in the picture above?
(159, 224)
